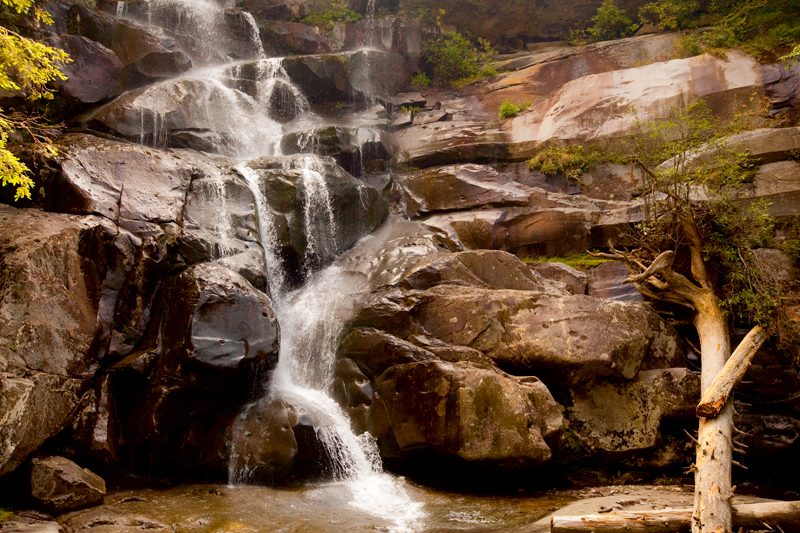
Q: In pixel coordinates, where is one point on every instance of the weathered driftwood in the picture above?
(721, 388)
(786, 515)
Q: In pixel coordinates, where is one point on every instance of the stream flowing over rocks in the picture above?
(260, 257)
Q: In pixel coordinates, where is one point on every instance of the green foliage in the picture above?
(671, 14)
(581, 261)
(508, 110)
(571, 161)
(609, 23)
(27, 66)
(421, 79)
(758, 27)
(327, 19)
(455, 60)
(791, 244)
(5, 514)
(692, 175)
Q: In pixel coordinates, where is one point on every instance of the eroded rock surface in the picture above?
(60, 485)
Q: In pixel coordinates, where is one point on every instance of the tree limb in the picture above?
(721, 388)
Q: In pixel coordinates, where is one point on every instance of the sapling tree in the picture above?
(695, 251)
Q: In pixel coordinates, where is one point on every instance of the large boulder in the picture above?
(568, 339)
(458, 187)
(347, 75)
(59, 485)
(95, 72)
(424, 361)
(449, 403)
(127, 183)
(287, 38)
(53, 269)
(147, 53)
(614, 419)
(211, 331)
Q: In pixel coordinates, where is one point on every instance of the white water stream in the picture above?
(311, 317)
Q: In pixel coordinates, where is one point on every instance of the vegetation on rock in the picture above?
(26, 66)
(571, 161)
(325, 20)
(508, 110)
(670, 14)
(581, 261)
(455, 60)
(609, 23)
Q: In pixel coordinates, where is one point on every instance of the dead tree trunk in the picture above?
(712, 488)
(784, 515)
(712, 509)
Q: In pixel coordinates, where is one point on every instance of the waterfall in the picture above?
(371, 36)
(243, 108)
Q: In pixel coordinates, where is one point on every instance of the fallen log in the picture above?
(717, 394)
(786, 515)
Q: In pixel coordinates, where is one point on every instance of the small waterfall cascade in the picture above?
(371, 38)
(231, 101)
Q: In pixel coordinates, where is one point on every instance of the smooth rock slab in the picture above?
(60, 485)
(458, 187)
(30, 522)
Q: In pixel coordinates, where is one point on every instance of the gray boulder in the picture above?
(210, 332)
(614, 419)
(95, 72)
(59, 485)
(345, 75)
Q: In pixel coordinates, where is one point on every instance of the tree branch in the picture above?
(731, 374)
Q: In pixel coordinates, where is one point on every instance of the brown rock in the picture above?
(60, 485)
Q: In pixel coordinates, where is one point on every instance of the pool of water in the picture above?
(312, 509)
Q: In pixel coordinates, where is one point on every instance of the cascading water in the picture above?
(234, 104)
(371, 37)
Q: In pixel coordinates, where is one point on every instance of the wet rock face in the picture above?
(147, 54)
(60, 485)
(340, 76)
(94, 74)
(357, 150)
(318, 210)
(210, 331)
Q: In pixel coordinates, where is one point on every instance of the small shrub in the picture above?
(455, 59)
(508, 110)
(327, 19)
(570, 161)
(670, 14)
(610, 23)
(420, 78)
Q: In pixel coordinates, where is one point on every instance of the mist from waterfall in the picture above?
(233, 105)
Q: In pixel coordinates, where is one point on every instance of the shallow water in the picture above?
(313, 509)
